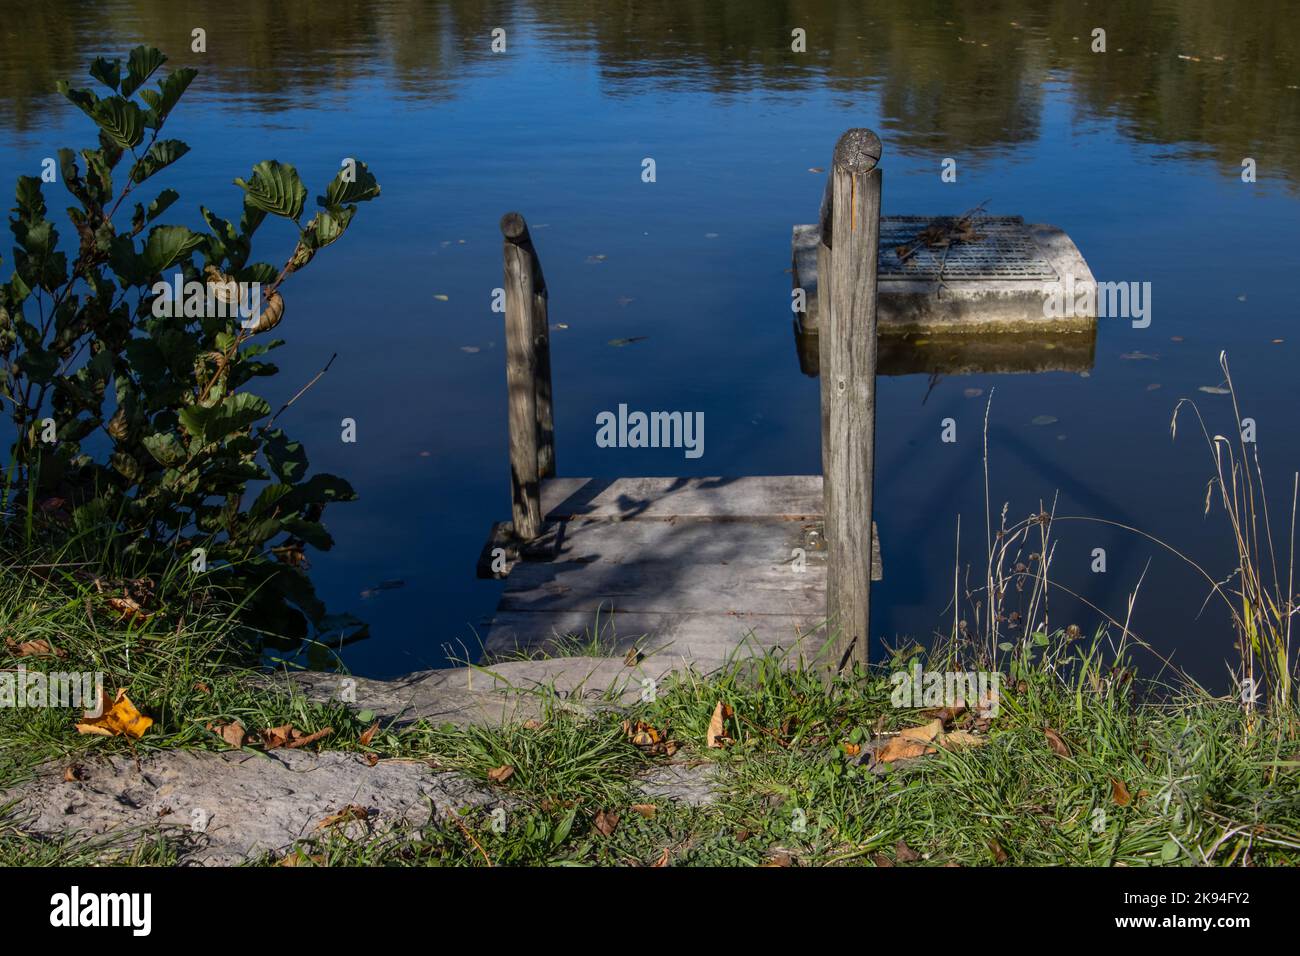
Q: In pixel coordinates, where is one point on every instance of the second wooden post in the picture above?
(528, 377)
(847, 341)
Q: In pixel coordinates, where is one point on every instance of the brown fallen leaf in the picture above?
(129, 608)
(1119, 792)
(904, 853)
(296, 859)
(369, 734)
(303, 740)
(372, 760)
(632, 657)
(606, 822)
(118, 717)
(647, 810)
(276, 737)
(852, 750)
(501, 774)
(232, 733)
(1055, 741)
(73, 773)
(648, 739)
(662, 861)
(717, 736)
(912, 742)
(957, 739)
(946, 714)
(881, 860)
(351, 812)
(39, 647)
(999, 854)
(779, 857)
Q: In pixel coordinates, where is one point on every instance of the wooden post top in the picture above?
(514, 228)
(858, 151)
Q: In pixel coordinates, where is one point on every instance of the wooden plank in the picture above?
(685, 566)
(791, 497)
(848, 387)
(696, 637)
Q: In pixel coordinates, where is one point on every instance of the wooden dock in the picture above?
(701, 567)
(689, 567)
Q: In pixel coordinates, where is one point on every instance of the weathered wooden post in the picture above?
(846, 278)
(528, 377)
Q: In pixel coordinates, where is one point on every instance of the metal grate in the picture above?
(1005, 250)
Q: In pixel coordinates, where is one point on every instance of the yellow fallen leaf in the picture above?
(501, 774)
(117, 717)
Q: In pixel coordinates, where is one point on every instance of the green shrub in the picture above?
(133, 422)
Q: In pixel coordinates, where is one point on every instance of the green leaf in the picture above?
(215, 423)
(31, 201)
(38, 365)
(320, 489)
(144, 60)
(275, 188)
(340, 192)
(166, 448)
(161, 155)
(84, 100)
(268, 498)
(163, 100)
(327, 226)
(288, 459)
(159, 205)
(168, 244)
(121, 120)
(108, 72)
(313, 532)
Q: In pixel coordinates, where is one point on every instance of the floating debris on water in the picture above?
(470, 349)
(390, 585)
(1214, 390)
(972, 392)
(619, 343)
(1044, 420)
(1139, 357)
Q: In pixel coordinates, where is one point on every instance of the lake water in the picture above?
(1137, 153)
